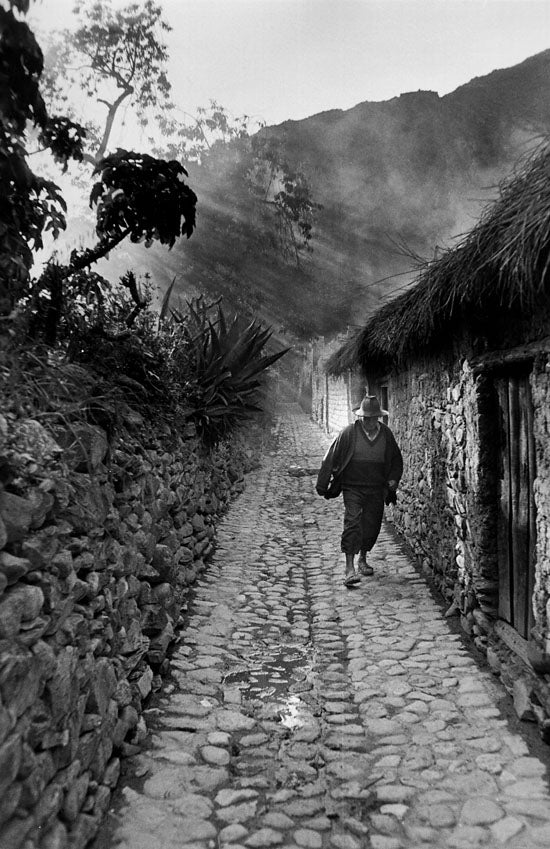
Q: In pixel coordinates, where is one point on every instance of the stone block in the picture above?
(168, 539)
(75, 796)
(56, 838)
(20, 678)
(133, 586)
(10, 760)
(42, 502)
(7, 722)
(197, 522)
(133, 639)
(103, 685)
(31, 632)
(120, 732)
(90, 721)
(76, 628)
(184, 555)
(159, 645)
(102, 799)
(200, 547)
(143, 683)
(112, 773)
(84, 562)
(185, 531)
(145, 543)
(13, 567)
(539, 660)
(163, 594)
(14, 832)
(63, 687)
(129, 717)
(522, 700)
(83, 830)
(16, 514)
(493, 660)
(34, 783)
(30, 437)
(20, 604)
(49, 804)
(123, 693)
(87, 747)
(98, 763)
(10, 802)
(40, 723)
(145, 594)
(46, 658)
(153, 619)
(85, 446)
(89, 506)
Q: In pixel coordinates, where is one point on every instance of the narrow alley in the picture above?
(300, 713)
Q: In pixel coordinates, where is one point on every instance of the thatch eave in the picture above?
(502, 265)
(345, 358)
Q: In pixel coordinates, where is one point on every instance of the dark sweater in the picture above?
(366, 469)
(342, 449)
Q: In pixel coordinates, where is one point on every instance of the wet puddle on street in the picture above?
(276, 677)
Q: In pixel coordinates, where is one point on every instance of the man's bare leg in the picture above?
(363, 566)
(352, 577)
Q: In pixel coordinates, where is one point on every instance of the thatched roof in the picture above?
(502, 264)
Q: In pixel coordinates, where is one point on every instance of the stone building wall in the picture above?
(338, 404)
(433, 408)
(443, 414)
(333, 398)
(99, 544)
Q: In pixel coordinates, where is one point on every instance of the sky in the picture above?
(275, 60)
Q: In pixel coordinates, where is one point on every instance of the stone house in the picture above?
(462, 361)
(331, 399)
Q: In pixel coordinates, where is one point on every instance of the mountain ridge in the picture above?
(396, 178)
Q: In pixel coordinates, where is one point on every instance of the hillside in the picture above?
(408, 174)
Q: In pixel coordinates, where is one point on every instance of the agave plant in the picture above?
(223, 362)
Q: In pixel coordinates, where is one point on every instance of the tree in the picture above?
(285, 189)
(212, 127)
(135, 196)
(115, 57)
(251, 157)
(29, 204)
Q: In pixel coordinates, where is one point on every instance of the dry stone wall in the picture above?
(445, 416)
(434, 415)
(444, 413)
(99, 544)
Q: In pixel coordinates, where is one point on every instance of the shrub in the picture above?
(218, 366)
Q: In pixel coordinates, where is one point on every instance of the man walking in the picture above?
(365, 464)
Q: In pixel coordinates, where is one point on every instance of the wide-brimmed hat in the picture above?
(370, 406)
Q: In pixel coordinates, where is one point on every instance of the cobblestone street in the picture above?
(304, 714)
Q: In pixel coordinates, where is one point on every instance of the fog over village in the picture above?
(274, 417)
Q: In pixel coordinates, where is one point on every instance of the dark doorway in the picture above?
(516, 514)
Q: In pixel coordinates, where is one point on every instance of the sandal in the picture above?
(351, 580)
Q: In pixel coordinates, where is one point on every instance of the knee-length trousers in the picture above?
(363, 513)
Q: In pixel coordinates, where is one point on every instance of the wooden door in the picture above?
(516, 516)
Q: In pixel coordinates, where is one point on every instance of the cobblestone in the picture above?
(305, 714)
